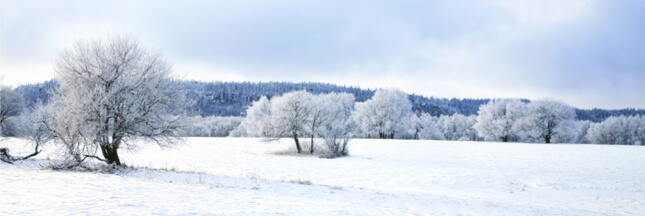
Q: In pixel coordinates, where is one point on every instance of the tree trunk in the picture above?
(295, 138)
(110, 154)
(547, 139)
(6, 157)
(504, 138)
(311, 150)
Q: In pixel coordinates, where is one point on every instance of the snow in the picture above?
(245, 176)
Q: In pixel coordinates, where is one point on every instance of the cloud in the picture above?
(588, 53)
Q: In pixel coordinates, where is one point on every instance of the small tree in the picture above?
(112, 92)
(290, 116)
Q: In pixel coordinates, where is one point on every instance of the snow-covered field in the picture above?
(244, 176)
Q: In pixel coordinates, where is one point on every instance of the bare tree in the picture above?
(112, 92)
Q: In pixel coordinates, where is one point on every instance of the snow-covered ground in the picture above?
(244, 176)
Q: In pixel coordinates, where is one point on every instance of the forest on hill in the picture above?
(233, 98)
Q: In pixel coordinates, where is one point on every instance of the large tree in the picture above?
(113, 91)
(497, 118)
(428, 127)
(290, 116)
(336, 125)
(622, 130)
(549, 120)
(458, 127)
(257, 122)
(388, 112)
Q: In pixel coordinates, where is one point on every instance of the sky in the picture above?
(587, 53)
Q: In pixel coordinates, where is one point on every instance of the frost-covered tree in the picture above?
(496, 119)
(212, 126)
(581, 130)
(223, 126)
(458, 127)
(611, 131)
(429, 127)
(337, 125)
(471, 132)
(290, 116)
(112, 92)
(257, 122)
(317, 116)
(636, 128)
(550, 121)
(387, 113)
(11, 105)
(619, 130)
(65, 120)
(31, 130)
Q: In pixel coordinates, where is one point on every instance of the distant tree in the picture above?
(458, 127)
(388, 112)
(223, 126)
(34, 131)
(549, 120)
(496, 119)
(416, 124)
(429, 127)
(611, 131)
(257, 122)
(11, 106)
(636, 128)
(112, 92)
(212, 126)
(582, 128)
(290, 114)
(619, 130)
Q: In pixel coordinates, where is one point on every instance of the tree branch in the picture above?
(95, 157)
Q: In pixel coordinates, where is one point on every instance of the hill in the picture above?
(232, 98)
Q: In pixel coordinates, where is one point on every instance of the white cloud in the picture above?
(207, 72)
(563, 49)
(547, 11)
(15, 74)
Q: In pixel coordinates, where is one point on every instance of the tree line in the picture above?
(389, 115)
(233, 98)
